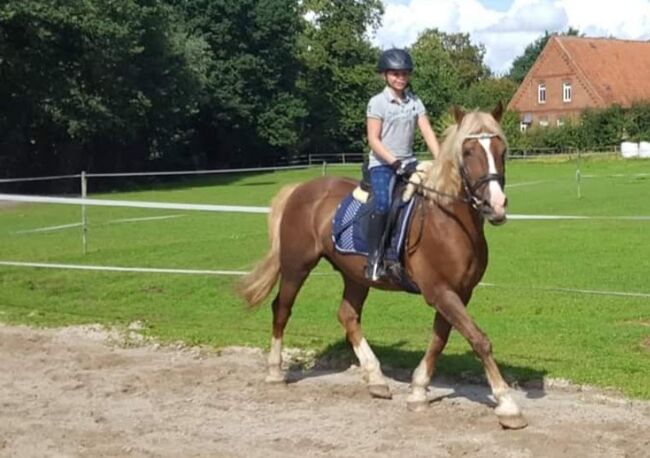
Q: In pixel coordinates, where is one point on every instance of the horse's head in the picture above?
(482, 165)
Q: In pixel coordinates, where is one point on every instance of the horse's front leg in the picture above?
(349, 315)
(417, 400)
(453, 309)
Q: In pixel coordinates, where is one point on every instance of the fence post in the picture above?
(578, 174)
(84, 219)
(324, 172)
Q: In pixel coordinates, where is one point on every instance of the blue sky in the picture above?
(506, 27)
(497, 5)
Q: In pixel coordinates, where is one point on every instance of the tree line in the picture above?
(134, 85)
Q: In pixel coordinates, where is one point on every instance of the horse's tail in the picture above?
(256, 285)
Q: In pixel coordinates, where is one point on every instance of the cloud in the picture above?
(629, 19)
(506, 34)
(532, 16)
(403, 22)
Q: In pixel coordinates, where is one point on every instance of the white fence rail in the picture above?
(238, 209)
(252, 209)
(131, 204)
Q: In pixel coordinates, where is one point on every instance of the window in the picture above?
(566, 92)
(541, 93)
(559, 122)
(543, 122)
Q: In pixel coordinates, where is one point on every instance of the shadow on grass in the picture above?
(451, 370)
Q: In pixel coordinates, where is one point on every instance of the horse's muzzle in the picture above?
(496, 215)
(498, 221)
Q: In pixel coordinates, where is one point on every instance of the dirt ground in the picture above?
(81, 392)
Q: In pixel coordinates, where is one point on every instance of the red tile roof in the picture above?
(618, 70)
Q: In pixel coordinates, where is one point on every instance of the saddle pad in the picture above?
(349, 228)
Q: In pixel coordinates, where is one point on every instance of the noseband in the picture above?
(470, 188)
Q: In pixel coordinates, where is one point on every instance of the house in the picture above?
(575, 73)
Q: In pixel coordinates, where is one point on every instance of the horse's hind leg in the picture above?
(349, 315)
(290, 283)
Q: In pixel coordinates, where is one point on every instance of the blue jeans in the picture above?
(382, 179)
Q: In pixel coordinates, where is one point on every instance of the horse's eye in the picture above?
(467, 152)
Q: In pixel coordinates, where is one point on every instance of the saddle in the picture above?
(351, 219)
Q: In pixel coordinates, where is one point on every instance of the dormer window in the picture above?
(541, 93)
(566, 92)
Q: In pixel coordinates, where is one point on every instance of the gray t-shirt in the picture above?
(399, 118)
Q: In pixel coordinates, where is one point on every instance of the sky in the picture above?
(506, 27)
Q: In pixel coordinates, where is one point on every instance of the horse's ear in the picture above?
(458, 114)
(498, 111)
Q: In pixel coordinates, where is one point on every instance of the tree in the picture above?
(436, 79)
(522, 64)
(467, 57)
(90, 84)
(486, 93)
(339, 73)
(251, 111)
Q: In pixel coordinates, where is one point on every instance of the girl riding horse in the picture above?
(446, 255)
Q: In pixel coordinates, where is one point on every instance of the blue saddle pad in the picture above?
(350, 223)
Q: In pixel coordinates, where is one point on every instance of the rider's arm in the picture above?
(429, 135)
(373, 130)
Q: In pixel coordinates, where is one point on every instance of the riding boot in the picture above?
(375, 268)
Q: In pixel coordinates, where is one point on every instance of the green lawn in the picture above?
(598, 339)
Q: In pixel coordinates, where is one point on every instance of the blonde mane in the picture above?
(444, 176)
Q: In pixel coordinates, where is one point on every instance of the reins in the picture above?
(470, 198)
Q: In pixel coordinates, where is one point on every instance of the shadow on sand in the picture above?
(461, 374)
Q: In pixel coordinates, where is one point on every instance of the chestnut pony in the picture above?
(446, 255)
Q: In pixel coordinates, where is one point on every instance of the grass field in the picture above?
(536, 331)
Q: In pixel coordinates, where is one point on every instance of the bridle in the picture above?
(470, 188)
(470, 197)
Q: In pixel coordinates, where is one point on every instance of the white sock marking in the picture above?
(369, 363)
(275, 355)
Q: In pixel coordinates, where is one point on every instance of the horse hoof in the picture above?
(513, 422)
(380, 391)
(275, 378)
(417, 406)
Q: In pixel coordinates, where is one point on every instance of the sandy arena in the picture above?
(80, 392)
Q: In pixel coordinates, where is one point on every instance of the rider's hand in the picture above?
(396, 165)
(402, 169)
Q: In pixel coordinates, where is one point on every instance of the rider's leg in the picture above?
(382, 179)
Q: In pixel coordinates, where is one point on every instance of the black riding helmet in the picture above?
(395, 59)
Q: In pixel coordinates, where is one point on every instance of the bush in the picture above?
(596, 128)
(638, 122)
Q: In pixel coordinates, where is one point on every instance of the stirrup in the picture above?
(375, 271)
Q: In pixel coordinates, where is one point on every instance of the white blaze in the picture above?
(497, 197)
